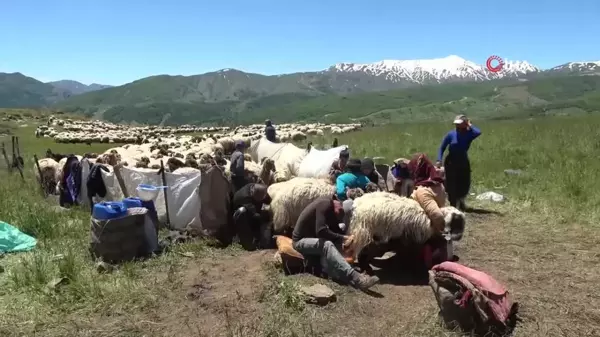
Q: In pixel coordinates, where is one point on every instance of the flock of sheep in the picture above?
(291, 172)
(82, 131)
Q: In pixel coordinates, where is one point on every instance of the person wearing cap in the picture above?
(456, 164)
(353, 178)
(237, 167)
(369, 170)
(317, 234)
(339, 165)
(270, 133)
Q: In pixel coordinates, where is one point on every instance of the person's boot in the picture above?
(364, 282)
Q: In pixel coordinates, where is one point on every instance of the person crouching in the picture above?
(317, 234)
(252, 224)
(339, 165)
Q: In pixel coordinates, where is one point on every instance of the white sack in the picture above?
(182, 194)
(318, 162)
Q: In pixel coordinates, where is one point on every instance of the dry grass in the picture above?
(543, 244)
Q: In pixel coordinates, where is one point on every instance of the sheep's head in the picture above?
(247, 157)
(268, 164)
(174, 163)
(354, 193)
(190, 162)
(371, 187)
(455, 221)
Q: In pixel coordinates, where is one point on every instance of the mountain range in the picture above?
(232, 95)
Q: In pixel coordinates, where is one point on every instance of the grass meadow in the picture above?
(543, 243)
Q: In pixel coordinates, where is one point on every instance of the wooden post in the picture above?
(16, 161)
(42, 182)
(117, 170)
(164, 182)
(8, 166)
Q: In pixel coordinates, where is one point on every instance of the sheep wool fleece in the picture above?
(432, 199)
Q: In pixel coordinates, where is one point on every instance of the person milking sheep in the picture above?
(252, 224)
(237, 167)
(456, 165)
(353, 178)
(369, 170)
(317, 234)
(339, 165)
(270, 133)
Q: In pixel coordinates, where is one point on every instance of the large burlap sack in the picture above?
(122, 239)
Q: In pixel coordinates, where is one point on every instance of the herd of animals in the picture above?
(382, 221)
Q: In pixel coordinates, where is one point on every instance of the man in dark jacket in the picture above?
(270, 131)
(318, 233)
(237, 169)
(251, 223)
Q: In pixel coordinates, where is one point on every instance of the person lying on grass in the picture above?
(318, 234)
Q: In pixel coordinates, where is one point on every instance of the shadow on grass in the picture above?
(397, 271)
(482, 211)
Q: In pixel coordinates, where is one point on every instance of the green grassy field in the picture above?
(543, 243)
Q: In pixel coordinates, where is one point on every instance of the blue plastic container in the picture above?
(137, 202)
(107, 210)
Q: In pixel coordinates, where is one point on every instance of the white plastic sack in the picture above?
(182, 193)
(491, 196)
(82, 198)
(285, 155)
(318, 162)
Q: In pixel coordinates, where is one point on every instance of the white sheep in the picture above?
(289, 198)
(49, 168)
(382, 217)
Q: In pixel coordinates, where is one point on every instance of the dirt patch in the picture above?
(219, 294)
(552, 276)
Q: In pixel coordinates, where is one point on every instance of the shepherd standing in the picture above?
(456, 165)
(270, 133)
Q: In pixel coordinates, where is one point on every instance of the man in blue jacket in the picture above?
(457, 166)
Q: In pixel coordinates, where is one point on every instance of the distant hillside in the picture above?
(18, 90)
(496, 99)
(395, 89)
(76, 88)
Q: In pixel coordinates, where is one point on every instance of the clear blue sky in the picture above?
(115, 42)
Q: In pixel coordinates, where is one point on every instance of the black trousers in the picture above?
(238, 182)
(253, 231)
(458, 177)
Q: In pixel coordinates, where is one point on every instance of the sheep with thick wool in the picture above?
(289, 198)
(379, 218)
(49, 168)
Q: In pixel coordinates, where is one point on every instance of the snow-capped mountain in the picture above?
(579, 67)
(450, 68)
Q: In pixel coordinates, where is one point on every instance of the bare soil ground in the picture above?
(242, 294)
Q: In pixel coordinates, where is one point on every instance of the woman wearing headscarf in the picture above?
(456, 165)
(369, 170)
(351, 179)
(429, 189)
